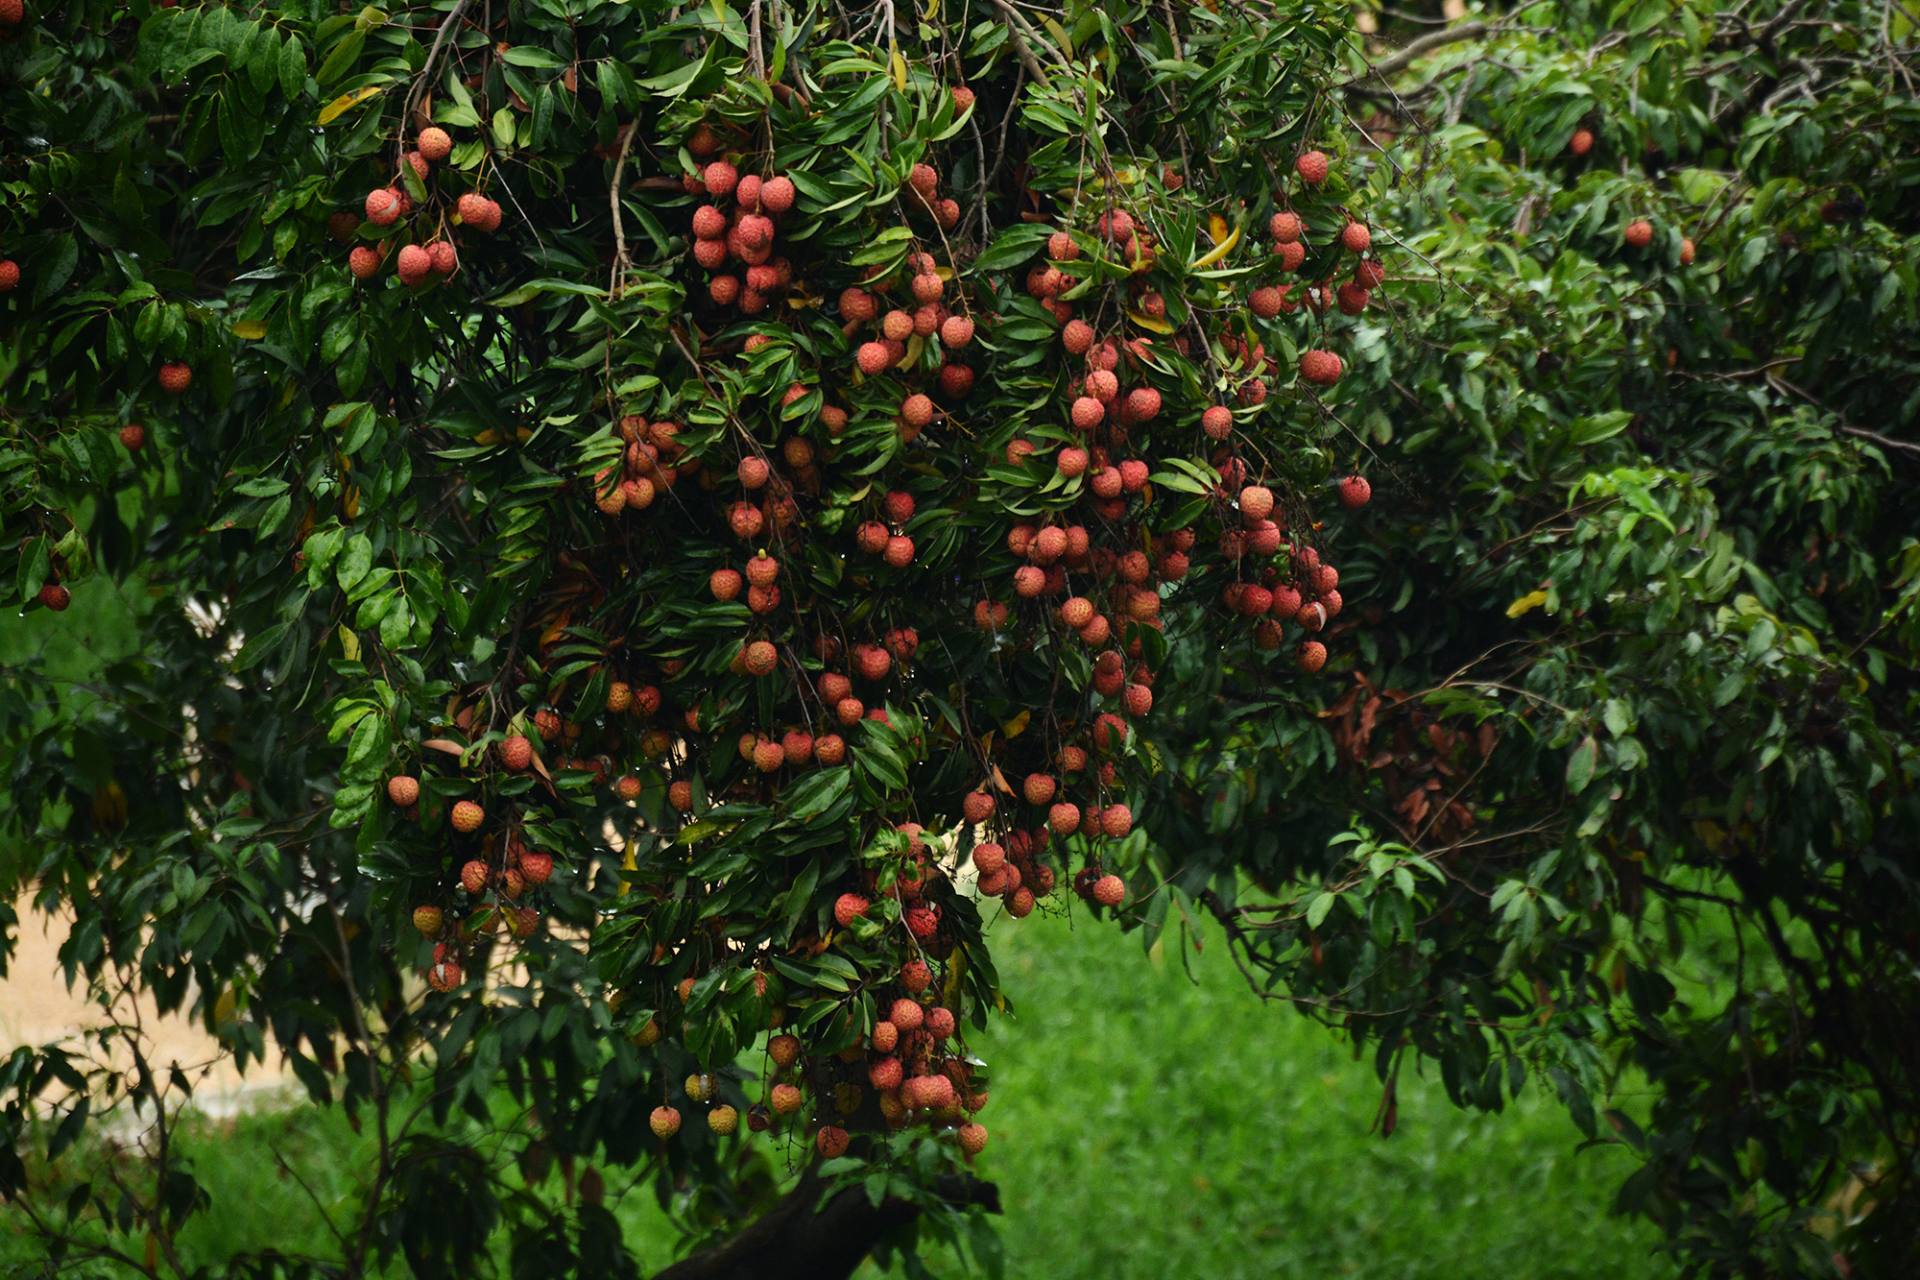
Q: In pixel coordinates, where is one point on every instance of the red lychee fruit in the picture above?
(719, 178)
(383, 206)
(1312, 167)
(1354, 492)
(1077, 337)
(413, 264)
(777, 195)
(873, 358)
(915, 977)
(1109, 890)
(473, 876)
(1256, 503)
(133, 436)
(664, 1121)
(435, 143)
(1285, 227)
(175, 377)
(403, 790)
(516, 753)
(478, 211)
(363, 262)
(831, 1140)
(1581, 142)
(1322, 368)
(467, 816)
(1639, 234)
(9, 275)
(849, 907)
(1312, 656)
(1356, 238)
(536, 867)
(1039, 788)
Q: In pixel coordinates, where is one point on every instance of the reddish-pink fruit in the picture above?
(1356, 238)
(1312, 168)
(364, 262)
(719, 178)
(9, 275)
(1077, 337)
(473, 876)
(1109, 890)
(516, 753)
(988, 857)
(1285, 227)
(973, 1139)
(831, 1141)
(445, 975)
(664, 1121)
(442, 257)
(956, 332)
(849, 907)
(1322, 368)
(1686, 251)
(536, 867)
(1369, 273)
(467, 816)
(1039, 788)
(383, 206)
(175, 377)
(1291, 255)
(915, 976)
(479, 212)
(1354, 492)
(133, 436)
(1312, 656)
(776, 195)
(1639, 234)
(907, 1015)
(1256, 503)
(1581, 142)
(435, 143)
(784, 1050)
(940, 1023)
(403, 790)
(413, 263)
(873, 358)
(761, 658)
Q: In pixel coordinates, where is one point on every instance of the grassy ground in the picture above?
(1143, 1125)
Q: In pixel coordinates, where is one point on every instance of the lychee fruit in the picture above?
(1312, 167)
(516, 752)
(1639, 234)
(435, 143)
(467, 816)
(175, 377)
(664, 1121)
(403, 790)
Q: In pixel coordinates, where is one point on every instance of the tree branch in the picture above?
(1419, 48)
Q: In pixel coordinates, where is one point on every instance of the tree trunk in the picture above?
(792, 1239)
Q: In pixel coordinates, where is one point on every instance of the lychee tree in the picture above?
(1616, 789)
(646, 525)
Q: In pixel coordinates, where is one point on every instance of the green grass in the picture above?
(1143, 1125)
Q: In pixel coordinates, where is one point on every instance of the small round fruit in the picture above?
(831, 1141)
(1313, 656)
(435, 143)
(1355, 492)
(1109, 890)
(723, 1120)
(1639, 234)
(403, 790)
(1356, 238)
(849, 907)
(363, 262)
(1322, 368)
(1312, 168)
(383, 206)
(1581, 142)
(133, 436)
(516, 752)
(9, 275)
(665, 1122)
(175, 377)
(973, 1139)
(467, 816)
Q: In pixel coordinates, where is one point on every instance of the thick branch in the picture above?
(1424, 45)
(792, 1239)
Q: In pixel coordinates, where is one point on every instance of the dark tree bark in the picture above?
(792, 1239)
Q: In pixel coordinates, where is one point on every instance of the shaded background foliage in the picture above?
(1625, 674)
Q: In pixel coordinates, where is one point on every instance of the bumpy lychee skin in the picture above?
(973, 1139)
(428, 920)
(435, 143)
(1322, 368)
(474, 876)
(479, 212)
(403, 790)
(720, 178)
(1686, 251)
(849, 907)
(1312, 656)
(723, 1120)
(413, 263)
(1256, 502)
(907, 1015)
(1580, 143)
(445, 975)
(467, 816)
(1285, 227)
(9, 272)
(383, 206)
(1355, 492)
(1312, 167)
(364, 262)
(784, 1050)
(175, 378)
(516, 752)
(133, 436)
(831, 1141)
(777, 195)
(1356, 238)
(664, 1121)
(535, 867)
(1639, 234)
(1109, 890)
(55, 596)
(915, 976)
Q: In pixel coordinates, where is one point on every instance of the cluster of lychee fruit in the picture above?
(736, 243)
(491, 886)
(415, 263)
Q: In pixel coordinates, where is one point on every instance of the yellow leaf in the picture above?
(251, 330)
(1217, 228)
(349, 644)
(1526, 603)
(1148, 322)
(1221, 248)
(1018, 725)
(1059, 34)
(347, 102)
(915, 346)
(899, 66)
